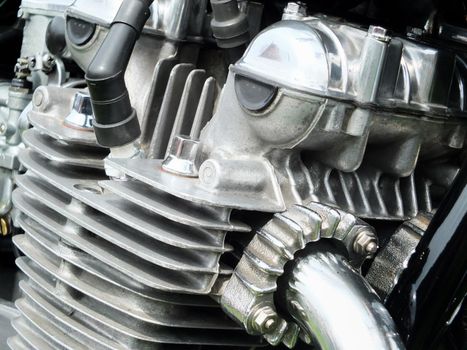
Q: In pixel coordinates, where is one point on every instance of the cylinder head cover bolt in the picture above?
(264, 320)
(81, 116)
(182, 157)
(365, 243)
(379, 33)
(295, 10)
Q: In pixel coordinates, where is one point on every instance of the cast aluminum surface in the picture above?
(172, 19)
(328, 136)
(135, 260)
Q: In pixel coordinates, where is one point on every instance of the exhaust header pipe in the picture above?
(337, 307)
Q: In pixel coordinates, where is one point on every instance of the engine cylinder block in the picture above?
(181, 238)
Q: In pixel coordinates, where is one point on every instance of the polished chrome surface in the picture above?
(327, 57)
(336, 307)
(181, 158)
(80, 116)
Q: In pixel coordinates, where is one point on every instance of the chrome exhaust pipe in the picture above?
(337, 307)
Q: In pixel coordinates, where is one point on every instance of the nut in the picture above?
(379, 33)
(182, 156)
(295, 10)
(264, 320)
(365, 243)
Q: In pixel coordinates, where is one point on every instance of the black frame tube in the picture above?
(434, 284)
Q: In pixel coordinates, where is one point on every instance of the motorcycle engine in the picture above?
(187, 174)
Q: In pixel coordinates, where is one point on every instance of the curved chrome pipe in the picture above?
(337, 307)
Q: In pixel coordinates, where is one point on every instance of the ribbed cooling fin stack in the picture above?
(370, 193)
(130, 267)
(183, 99)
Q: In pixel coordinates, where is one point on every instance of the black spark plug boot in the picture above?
(115, 121)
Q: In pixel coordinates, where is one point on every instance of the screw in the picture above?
(32, 62)
(379, 33)
(365, 243)
(264, 320)
(2, 128)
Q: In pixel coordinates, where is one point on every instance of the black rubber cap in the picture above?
(254, 95)
(79, 32)
(55, 36)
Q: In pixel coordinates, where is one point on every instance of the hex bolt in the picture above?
(264, 320)
(378, 33)
(365, 243)
(295, 10)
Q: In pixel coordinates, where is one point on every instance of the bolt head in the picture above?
(379, 33)
(296, 8)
